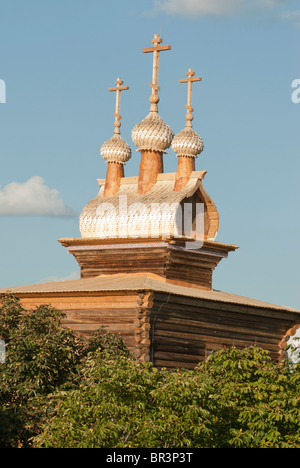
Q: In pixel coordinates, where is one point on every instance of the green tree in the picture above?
(263, 398)
(59, 391)
(237, 398)
(41, 356)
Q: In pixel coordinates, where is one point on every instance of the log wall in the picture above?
(169, 260)
(85, 313)
(185, 330)
(171, 330)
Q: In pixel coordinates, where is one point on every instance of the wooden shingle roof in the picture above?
(139, 283)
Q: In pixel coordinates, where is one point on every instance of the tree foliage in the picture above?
(237, 398)
(61, 392)
(41, 356)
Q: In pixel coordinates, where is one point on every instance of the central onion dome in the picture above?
(116, 150)
(152, 134)
(187, 143)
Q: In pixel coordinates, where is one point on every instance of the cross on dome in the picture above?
(117, 115)
(187, 143)
(190, 80)
(116, 150)
(156, 49)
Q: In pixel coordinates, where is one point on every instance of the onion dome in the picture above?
(116, 150)
(187, 143)
(152, 134)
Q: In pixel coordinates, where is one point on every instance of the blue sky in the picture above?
(58, 60)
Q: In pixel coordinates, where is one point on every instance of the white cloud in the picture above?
(197, 7)
(32, 197)
(293, 17)
(72, 276)
(194, 8)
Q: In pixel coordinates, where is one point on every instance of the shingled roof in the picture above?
(139, 283)
(152, 214)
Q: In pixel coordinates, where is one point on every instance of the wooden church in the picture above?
(148, 250)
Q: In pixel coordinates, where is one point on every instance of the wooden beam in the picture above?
(147, 50)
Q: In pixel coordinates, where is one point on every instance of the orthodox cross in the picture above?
(117, 115)
(190, 80)
(156, 49)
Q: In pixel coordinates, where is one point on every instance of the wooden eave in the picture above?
(132, 283)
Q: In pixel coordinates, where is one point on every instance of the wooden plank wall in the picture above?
(180, 265)
(86, 313)
(170, 330)
(185, 330)
(112, 261)
(186, 266)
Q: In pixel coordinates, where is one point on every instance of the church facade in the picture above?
(148, 250)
